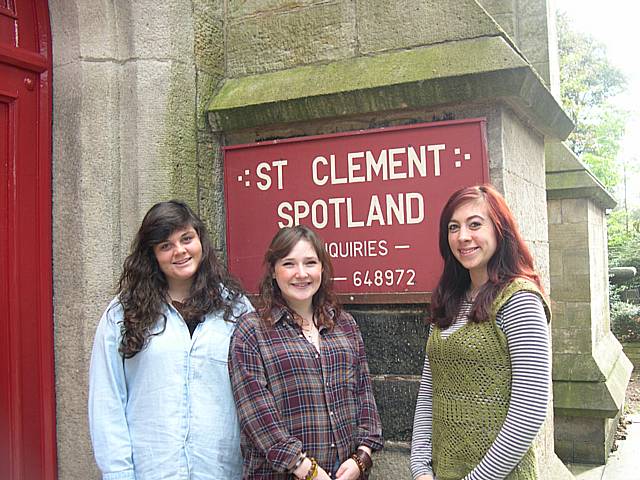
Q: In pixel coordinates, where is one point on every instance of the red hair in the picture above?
(511, 259)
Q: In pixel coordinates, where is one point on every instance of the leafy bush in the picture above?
(625, 321)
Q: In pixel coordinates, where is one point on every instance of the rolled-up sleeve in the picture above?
(256, 406)
(107, 401)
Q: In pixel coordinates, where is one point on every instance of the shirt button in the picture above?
(300, 335)
(331, 413)
(317, 356)
(333, 445)
(327, 384)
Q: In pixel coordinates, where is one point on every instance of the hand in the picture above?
(425, 477)
(322, 474)
(303, 469)
(348, 470)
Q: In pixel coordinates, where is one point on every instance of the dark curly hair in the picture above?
(512, 259)
(324, 299)
(143, 288)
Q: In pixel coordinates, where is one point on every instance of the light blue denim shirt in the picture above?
(168, 412)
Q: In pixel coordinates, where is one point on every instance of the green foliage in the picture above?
(624, 241)
(625, 321)
(587, 82)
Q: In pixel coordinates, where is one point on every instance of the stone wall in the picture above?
(127, 82)
(133, 82)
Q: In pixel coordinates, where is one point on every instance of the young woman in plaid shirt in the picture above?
(299, 372)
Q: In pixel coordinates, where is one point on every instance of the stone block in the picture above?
(565, 340)
(579, 316)
(280, 40)
(498, 6)
(568, 236)
(574, 288)
(208, 37)
(159, 30)
(555, 263)
(408, 23)
(576, 262)
(575, 210)
(584, 439)
(205, 89)
(554, 212)
(265, 7)
(395, 339)
(392, 462)
(102, 22)
(396, 399)
(64, 30)
(507, 22)
(527, 202)
(533, 37)
(524, 150)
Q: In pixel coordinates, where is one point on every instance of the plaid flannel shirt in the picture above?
(292, 398)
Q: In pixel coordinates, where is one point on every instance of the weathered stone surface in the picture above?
(408, 23)
(208, 29)
(584, 439)
(263, 7)
(396, 400)
(568, 177)
(395, 339)
(285, 39)
(392, 462)
(466, 71)
(158, 30)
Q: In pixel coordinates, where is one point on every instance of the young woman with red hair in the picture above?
(485, 385)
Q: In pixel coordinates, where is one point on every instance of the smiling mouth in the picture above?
(182, 262)
(467, 251)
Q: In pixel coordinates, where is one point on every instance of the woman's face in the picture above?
(299, 275)
(472, 239)
(179, 256)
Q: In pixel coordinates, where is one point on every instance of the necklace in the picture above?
(310, 332)
(471, 294)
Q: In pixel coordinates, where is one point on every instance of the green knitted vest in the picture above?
(471, 390)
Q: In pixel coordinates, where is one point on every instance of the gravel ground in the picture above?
(633, 393)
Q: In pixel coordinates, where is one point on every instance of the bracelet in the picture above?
(301, 457)
(363, 460)
(313, 470)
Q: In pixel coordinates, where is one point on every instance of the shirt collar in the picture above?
(280, 313)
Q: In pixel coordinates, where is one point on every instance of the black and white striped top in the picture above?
(524, 323)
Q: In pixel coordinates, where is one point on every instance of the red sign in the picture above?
(374, 196)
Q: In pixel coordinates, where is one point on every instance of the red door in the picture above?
(27, 398)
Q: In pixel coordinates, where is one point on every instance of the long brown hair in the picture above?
(511, 259)
(143, 287)
(271, 296)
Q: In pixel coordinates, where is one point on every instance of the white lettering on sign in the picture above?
(392, 209)
(264, 167)
(358, 248)
(390, 164)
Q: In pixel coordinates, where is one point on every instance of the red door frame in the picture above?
(29, 428)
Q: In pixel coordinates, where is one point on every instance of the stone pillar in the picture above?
(590, 371)
(366, 64)
(128, 131)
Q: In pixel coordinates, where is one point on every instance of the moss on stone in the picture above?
(452, 73)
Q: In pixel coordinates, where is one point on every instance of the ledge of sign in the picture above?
(466, 71)
(568, 177)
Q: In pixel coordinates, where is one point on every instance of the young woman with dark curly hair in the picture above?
(299, 372)
(160, 401)
(485, 386)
